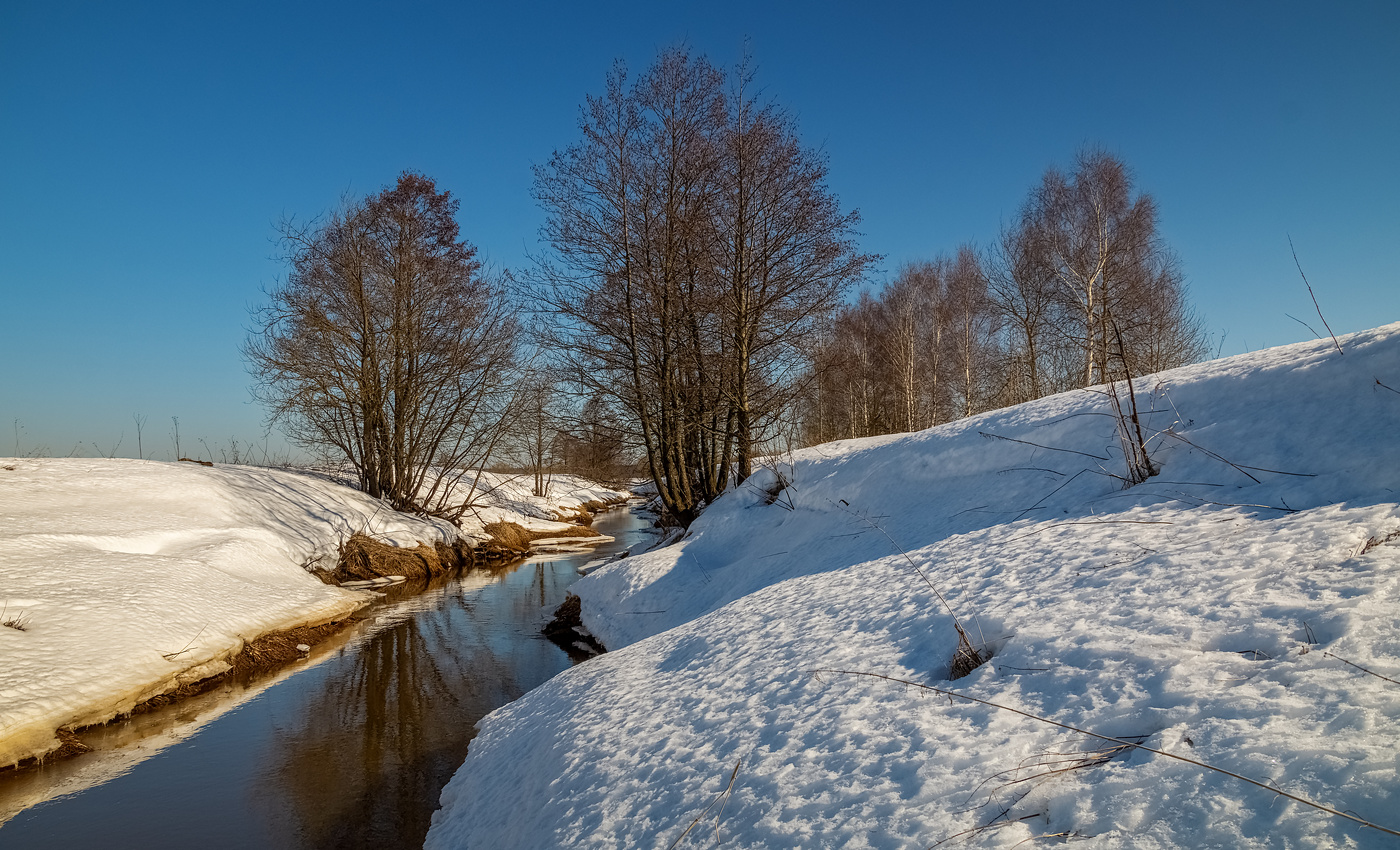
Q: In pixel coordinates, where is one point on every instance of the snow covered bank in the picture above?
(510, 498)
(133, 577)
(1206, 612)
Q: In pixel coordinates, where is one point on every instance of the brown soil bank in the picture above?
(363, 558)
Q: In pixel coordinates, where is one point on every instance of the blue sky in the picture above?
(148, 150)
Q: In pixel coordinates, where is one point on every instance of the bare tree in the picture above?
(1097, 244)
(976, 360)
(788, 255)
(595, 444)
(1025, 301)
(387, 348)
(694, 244)
(1078, 290)
(140, 421)
(915, 318)
(536, 427)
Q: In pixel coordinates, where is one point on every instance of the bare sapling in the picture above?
(779, 491)
(1130, 432)
(140, 421)
(1316, 306)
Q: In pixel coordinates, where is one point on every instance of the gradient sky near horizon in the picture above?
(149, 148)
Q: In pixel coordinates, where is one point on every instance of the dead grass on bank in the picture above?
(260, 656)
(514, 536)
(363, 558)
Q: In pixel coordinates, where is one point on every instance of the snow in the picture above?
(1207, 611)
(132, 577)
(500, 497)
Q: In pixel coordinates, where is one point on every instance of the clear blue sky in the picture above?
(146, 151)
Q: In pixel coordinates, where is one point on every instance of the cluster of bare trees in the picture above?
(553, 430)
(387, 348)
(696, 251)
(690, 309)
(1078, 290)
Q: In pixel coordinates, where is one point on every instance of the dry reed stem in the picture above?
(722, 799)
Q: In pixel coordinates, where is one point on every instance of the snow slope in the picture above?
(1208, 610)
(135, 576)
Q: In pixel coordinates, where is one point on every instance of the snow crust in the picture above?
(1207, 610)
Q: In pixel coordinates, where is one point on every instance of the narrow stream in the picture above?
(348, 749)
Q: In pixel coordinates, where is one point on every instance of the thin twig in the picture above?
(1029, 469)
(171, 656)
(1094, 522)
(1241, 467)
(1359, 667)
(1314, 297)
(1042, 499)
(1238, 468)
(1383, 386)
(968, 657)
(1270, 788)
(991, 436)
(1284, 509)
(723, 796)
(1304, 324)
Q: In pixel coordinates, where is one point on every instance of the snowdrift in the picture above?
(1222, 611)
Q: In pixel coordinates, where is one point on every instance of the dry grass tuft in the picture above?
(18, 621)
(513, 536)
(966, 658)
(363, 558)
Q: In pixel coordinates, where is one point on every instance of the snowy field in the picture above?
(131, 577)
(1209, 612)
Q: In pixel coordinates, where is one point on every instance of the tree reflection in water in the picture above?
(371, 749)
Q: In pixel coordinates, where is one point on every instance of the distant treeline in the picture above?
(1078, 291)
